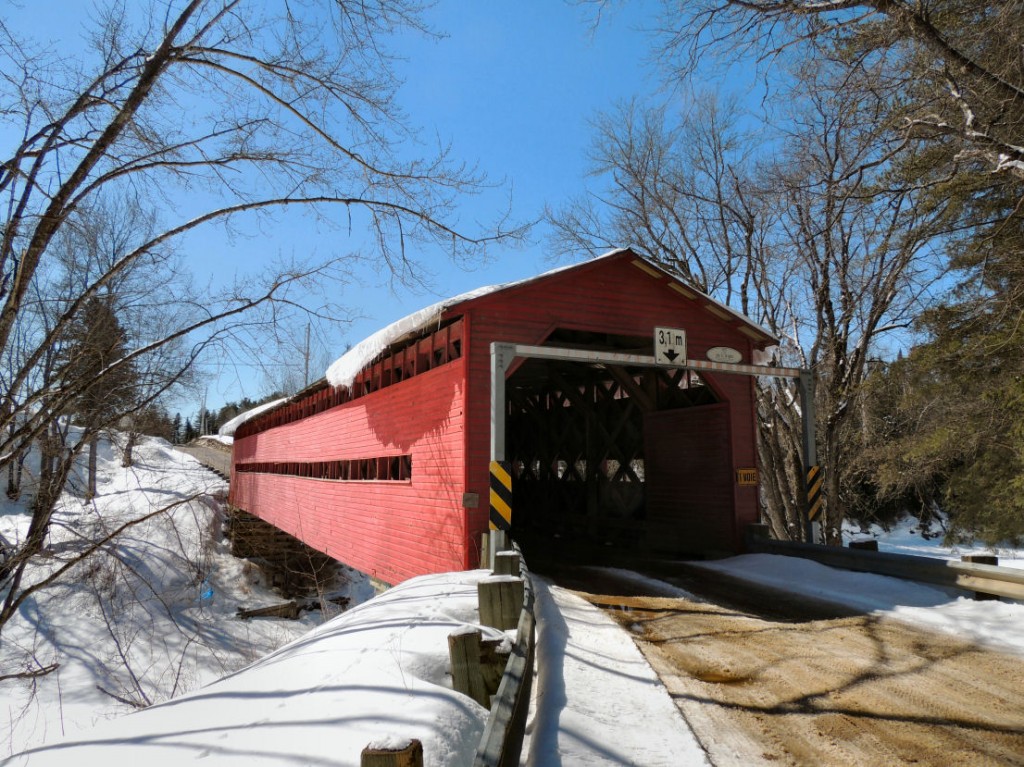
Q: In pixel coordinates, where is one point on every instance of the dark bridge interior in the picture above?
(578, 445)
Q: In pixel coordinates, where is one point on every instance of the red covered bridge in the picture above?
(388, 470)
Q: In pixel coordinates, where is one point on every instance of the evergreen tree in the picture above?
(101, 385)
(957, 423)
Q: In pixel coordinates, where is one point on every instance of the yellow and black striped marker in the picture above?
(501, 496)
(814, 478)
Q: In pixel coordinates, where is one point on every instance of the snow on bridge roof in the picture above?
(229, 428)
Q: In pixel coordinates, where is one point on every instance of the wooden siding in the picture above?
(391, 530)
(609, 296)
(689, 482)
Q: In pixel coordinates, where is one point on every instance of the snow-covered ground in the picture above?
(596, 699)
(150, 618)
(908, 537)
(999, 624)
(375, 674)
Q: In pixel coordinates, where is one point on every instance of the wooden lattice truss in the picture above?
(576, 443)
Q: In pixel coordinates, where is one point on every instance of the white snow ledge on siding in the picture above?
(229, 428)
(343, 371)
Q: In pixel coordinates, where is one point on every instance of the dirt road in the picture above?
(853, 690)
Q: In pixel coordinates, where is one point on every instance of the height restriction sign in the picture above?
(670, 346)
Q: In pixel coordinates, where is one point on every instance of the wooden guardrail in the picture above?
(506, 602)
(502, 740)
(970, 576)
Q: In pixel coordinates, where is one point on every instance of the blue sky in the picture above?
(512, 84)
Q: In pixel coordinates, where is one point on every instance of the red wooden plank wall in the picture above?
(690, 485)
(609, 296)
(391, 530)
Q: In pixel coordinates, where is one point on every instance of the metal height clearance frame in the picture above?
(504, 354)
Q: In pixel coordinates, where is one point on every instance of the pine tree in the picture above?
(92, 369)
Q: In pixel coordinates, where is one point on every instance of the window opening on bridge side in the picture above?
(392, 468)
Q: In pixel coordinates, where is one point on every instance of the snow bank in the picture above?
(996, 624)
(377, 673)
(228, 429)
(151, 616)
(598, 702)
(908, 537)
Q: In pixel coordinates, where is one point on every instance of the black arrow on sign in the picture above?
(671, 354)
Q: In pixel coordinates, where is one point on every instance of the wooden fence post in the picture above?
(982, 559)
(506, 563)
(467, 676)
(501, 601)
(410, 755)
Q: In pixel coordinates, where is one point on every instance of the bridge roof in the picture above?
(344, 370)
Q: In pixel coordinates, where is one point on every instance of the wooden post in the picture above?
(498, 542)
(757, 533)
(485, 548)
(506, 563)
(501, 601)
(982, 559)
(467, 676)
(492, 664)
(410, 755)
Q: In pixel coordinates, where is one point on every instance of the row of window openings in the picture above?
(609, 469)
(395, 468)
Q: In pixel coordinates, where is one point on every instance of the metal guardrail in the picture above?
(985, 579)
(502, 741)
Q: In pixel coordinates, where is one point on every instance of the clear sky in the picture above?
(512, 85)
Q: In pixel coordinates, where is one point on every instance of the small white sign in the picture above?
(670, 346)
(724, 354)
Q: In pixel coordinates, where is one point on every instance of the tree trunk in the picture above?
(128, 460)
(90, 492)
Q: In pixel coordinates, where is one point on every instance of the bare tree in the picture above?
(254, 108)
(950, 70)
(863, 269)
(808, 239)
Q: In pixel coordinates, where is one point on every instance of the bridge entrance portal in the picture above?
(611, 451)
(594, 451)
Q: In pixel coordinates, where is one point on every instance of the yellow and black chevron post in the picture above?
(501, 496)
(814, 478)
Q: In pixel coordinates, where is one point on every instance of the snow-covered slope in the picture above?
(151, 617)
